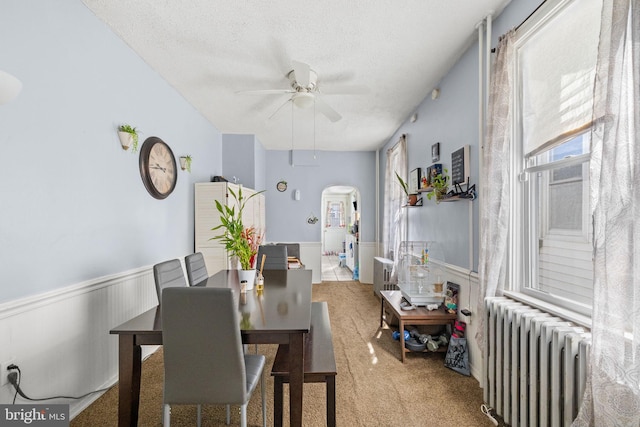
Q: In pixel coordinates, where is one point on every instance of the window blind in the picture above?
(557, 78)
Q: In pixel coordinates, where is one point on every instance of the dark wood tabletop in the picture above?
(284, 305)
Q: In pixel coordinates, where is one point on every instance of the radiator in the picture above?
(382, 268)
(535, 365)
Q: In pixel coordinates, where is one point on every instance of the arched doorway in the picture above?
(340, 236)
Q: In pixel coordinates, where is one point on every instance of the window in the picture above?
(559, 240)
(395, 228)
(556, 54)
(335, 215)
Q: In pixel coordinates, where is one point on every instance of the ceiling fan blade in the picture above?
(279, 108)
(325, 109)
(302, 72)
(265, 92)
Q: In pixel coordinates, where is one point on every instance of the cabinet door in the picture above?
(258, 212)
(206, 214)
(207, 217)
(253, 214)
(215, 259)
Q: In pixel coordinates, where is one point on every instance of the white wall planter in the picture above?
(126, 139)
(185, 163)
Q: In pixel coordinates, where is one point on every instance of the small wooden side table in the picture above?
(418, 316)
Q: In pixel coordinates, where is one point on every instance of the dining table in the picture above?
(279, 314)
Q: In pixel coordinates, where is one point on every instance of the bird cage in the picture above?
(421, 276)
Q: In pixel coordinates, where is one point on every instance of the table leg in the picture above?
(296, 378)
(381, 311)
(401, 326)
(277, 401)
(331, 400)
(130, 364)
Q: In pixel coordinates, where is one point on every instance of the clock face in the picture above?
(281, 186)
(158, 168)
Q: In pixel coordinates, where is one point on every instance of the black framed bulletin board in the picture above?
(460, 165)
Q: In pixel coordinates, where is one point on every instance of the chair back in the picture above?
(168, 274)
(196, 268)
(202, 345)
(276, 257)
(293, 249)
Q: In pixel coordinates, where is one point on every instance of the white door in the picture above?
(334, 223)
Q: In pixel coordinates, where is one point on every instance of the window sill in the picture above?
(571, 316)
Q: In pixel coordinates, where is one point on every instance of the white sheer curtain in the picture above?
(495, 201)
(394, 227)
(612, 396)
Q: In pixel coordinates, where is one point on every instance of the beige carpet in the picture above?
(373, 387)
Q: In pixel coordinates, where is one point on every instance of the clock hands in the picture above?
(157, 166)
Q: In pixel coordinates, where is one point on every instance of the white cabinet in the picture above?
(351, 250)
(208, 217)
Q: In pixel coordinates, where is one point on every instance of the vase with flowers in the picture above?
(239, 241)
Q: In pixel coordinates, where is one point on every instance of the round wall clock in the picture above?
(281, 186)
(158, 167)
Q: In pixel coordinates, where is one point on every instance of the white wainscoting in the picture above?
(61, 341)
(367, 253)
(311, 257)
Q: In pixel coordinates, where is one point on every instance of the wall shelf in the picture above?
(456, 199)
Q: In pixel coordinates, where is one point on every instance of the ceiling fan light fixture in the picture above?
(303, 99)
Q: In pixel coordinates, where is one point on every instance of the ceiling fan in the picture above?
(305, 92)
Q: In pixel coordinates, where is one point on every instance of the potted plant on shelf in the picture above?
(440, 185)
(240, 241)
(128, 136)
(412, 199)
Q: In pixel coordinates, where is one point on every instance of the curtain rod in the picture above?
(522, 23)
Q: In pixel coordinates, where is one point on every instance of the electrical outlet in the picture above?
(4, 371)
(467, 315)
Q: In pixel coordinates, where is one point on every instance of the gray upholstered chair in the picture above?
(196, 268)
(168, 274)
(293, 249)
(207, 364)
(276, 257)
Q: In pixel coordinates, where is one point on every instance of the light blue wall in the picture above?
(260, 166)
(287, 218)
(452, 120)
(73, 205)
(240, 154)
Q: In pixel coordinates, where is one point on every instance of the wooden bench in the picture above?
(319, 363)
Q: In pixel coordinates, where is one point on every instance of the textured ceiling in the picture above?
(209, 50)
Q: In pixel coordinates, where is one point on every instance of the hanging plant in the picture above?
(132, 134)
